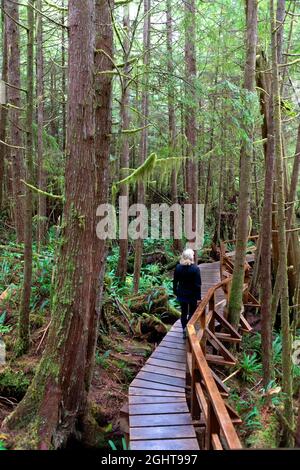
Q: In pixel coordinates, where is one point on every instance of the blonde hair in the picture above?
(187, 257)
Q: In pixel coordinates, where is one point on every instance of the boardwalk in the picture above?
(210, 275)
(159, 418)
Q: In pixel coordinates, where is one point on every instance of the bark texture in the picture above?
(191, 109)
(3, 111)
(23, 327)
(282, 267)
(56, 401)
(171, 110)
(124, 160)
(14, 98)
(236, 294)
(143, 150)
(266, 251)
(42, 202)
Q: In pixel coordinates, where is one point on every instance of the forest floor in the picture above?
(131, 327)
(114, 369)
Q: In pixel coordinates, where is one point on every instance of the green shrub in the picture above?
(2, 445)
(249, 366)
(13, 383)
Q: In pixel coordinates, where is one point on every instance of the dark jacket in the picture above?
(187, 283)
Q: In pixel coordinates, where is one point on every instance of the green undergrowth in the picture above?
(13, 383)
(2, 445)
(11, 276)
(258, 407)
(267, 436)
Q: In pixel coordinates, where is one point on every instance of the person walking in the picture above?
(187, 286)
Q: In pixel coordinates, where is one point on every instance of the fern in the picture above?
(249, 366)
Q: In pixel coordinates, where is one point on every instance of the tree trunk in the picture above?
(63, 78)
(56, 401)
(191, 110)
(220, 187)
(42, 202)
(143, 151)
(171, 111)
(282, 268)
(103, 126)
(293, 244)
(236, 294)
(14, 99)
(265, 260)
(212, 132)
(294, 237)
(293, 186)
(280, 17)
(264, 257)
(23, 330)
(124, 161)
(3, 111)
(53, 126)
(291, 8)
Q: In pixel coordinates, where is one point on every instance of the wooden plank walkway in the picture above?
(210, 276)
(159, 418)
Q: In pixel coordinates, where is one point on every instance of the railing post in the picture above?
(195, 408)
(211, 304)
(212, 328)
(187, 374)
(203, 320)
(212, 426)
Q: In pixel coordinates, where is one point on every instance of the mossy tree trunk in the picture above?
(264, 83)
(171, 110)
(124, 161)
(42, 202)
(143, 150)
(264, 258)
(191, 109)
(236, 294)
(14, 98)
(23, 327)
(281, 217)
(56, 400)
(63, 78)
(291, 220)
(3, 111)
(293, 244)
(265, 261)
(280, 18)
(103, 119)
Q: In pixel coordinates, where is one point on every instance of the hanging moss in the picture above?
(153, 168)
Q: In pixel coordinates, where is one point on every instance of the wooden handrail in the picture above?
(206, 388)
(221, 423)
(220, 430)
(205, 301)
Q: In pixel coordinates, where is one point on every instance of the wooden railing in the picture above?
(209, 334)
(207, 390)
